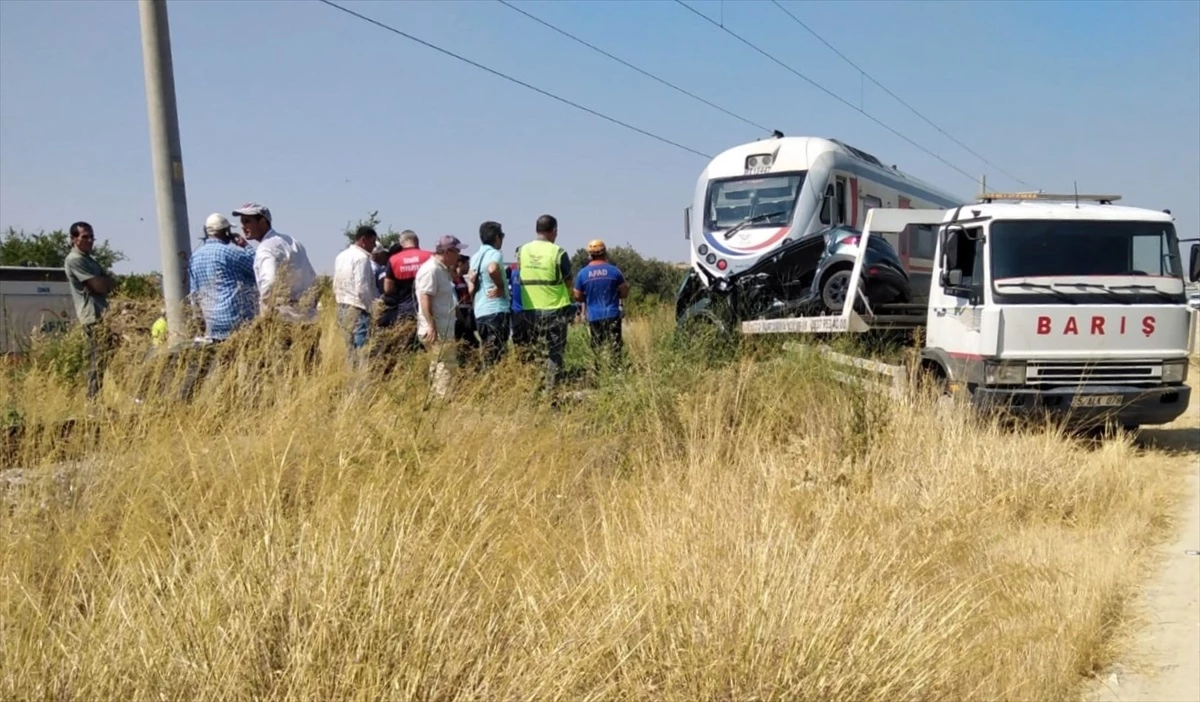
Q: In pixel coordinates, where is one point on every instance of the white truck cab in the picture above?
(1039, 303)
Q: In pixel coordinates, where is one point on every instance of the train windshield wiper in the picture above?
(751, 220)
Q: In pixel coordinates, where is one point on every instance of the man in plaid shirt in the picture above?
(222, 280)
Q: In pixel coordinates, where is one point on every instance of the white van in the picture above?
(32, 299)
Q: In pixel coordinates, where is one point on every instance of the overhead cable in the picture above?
(825, 90)
(509, 78)
(897, 98)
(627, 64)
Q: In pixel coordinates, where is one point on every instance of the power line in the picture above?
(625, 63)
(823, 89)
(509, 78)
(884, 88)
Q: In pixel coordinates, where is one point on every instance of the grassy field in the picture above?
(691, 530)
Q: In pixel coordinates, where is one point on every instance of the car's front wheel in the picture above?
(834, 289)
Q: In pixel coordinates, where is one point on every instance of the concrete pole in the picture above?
(167, 157)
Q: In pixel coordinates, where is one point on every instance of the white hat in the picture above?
(216, 222)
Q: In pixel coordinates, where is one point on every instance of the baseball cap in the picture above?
(253, 208)
(216, 222)
(447, 242)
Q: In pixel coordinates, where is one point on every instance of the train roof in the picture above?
(797, 153)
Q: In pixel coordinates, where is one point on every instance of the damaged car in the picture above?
(807, 277)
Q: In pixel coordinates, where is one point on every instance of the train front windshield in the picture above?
(769, 199)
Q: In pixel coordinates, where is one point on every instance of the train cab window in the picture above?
(826, 204)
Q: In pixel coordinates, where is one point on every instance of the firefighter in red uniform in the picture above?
(399, 300)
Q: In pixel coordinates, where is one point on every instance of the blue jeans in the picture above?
(356, 324)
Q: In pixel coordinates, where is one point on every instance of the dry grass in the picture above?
(689, 532)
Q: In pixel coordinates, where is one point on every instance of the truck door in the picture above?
(957, 324)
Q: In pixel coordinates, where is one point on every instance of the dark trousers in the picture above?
(407, 321)
(494, 331)
(199, 361)
(98, 343)
(522, 331)
(549, 336)
(606, 338)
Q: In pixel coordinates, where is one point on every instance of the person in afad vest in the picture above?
(544, 270)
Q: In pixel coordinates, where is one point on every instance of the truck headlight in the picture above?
(1005, 373)
(1175, 371)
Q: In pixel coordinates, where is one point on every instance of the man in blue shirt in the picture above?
(488, 290)
(521, 334)
(601, 287)
(221, 278)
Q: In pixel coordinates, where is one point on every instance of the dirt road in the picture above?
(1164, 663)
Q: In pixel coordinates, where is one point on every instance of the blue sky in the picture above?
(323, 117)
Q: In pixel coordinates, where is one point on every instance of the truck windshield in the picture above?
(734, 200)
(1065, 249)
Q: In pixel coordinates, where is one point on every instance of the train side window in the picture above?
(841, 200)
(870, 202)
(826, 203)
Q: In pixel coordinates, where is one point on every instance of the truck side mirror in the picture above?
(1194, 263)
(687, 222)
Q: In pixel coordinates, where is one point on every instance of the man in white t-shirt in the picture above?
(436, 307)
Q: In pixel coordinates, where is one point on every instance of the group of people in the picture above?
(452, 301)
(477, 301)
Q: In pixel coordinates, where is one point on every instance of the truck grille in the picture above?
(1093, 373)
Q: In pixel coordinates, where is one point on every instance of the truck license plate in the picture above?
(1098, 401)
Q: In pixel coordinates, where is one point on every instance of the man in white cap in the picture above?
(222, 281)
(281, 266)
(437, 304)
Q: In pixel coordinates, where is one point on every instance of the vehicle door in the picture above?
(958, 324)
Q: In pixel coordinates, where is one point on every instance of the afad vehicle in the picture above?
(754, 200)
(1040, 304)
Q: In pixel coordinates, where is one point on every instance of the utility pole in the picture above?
(167, 157)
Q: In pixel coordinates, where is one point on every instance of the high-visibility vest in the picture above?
(542, 284)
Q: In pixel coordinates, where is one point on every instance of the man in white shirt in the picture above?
(437, 304)
(281, 266)
(354, 287)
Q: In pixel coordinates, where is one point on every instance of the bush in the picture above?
(651, 282)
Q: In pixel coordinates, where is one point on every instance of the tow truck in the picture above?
(1066, 306)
